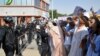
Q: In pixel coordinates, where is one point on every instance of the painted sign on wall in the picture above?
(9, 2)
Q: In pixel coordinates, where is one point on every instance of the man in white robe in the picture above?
(57, 40)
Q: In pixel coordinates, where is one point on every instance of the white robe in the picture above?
(56, 41)
(77, 38)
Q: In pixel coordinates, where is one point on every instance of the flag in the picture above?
(77, 10)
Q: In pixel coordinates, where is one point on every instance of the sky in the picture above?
(68, 6)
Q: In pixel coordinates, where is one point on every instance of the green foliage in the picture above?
(70, 14)
(55, 14)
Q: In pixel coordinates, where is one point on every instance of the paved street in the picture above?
(31, 50)
(2, 52)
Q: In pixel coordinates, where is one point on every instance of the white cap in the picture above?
(87, 14)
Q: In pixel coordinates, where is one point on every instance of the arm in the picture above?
(65, 32)
(96, 46)
(94, 16)
(97, 49)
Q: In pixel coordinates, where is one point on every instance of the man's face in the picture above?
(92, 24)
(2, 22)
(67, 21)
(75, 19)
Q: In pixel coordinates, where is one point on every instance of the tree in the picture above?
(55, 14)
(70, 14)
(59, 14)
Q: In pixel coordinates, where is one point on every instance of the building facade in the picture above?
(26, 8)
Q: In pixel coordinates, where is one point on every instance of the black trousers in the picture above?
(9, 51)
(45, 50)
(29, 37)
(18, 48)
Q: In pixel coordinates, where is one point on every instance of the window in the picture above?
(37, 3)
(32, 2)
(43, 5)
(24, 2)
(40, 3)
(47, 6)
(29, 2)
(18, 2)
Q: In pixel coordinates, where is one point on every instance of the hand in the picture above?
(47, 26)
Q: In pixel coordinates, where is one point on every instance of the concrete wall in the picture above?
(17, 9)
(20, 11)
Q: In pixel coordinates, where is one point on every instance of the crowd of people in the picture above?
(13, 37)
(78, 35)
